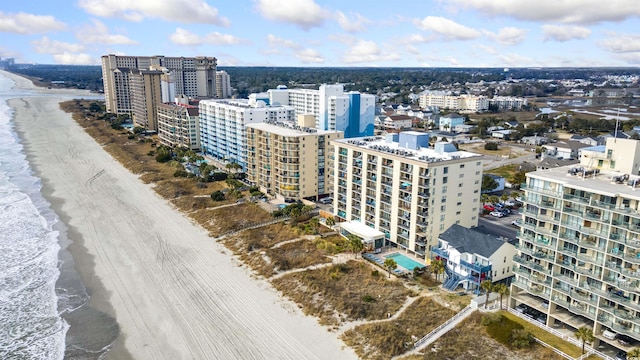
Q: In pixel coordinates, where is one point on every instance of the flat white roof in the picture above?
(289, 130)
(362, 230)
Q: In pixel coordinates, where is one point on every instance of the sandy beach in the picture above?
(175, 293)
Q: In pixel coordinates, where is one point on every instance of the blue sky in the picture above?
(407, 33)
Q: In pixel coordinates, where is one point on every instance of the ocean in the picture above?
(44, 310)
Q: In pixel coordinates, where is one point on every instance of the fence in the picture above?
(434, 331)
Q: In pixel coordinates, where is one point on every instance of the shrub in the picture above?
(217, 196)
(368, 298)
(521, 339)
(502, 330)
(491, 146)
(257, 193)
(375, 273)
(181, 173)
(131, 137)
(219, 176)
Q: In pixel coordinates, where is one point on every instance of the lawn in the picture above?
(385, 339)
(545, 336)
(344, 292)
(470, 340)
(506, 171)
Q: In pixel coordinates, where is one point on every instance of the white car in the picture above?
(496, 214)
(509, 203)
(609, 334)
(516, 223)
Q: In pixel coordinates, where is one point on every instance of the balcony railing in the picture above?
(440, 252)
(476, 267)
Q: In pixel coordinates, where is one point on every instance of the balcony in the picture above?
(530, 264)
(440, 252)
(479, 268)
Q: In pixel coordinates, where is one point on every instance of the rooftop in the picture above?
(288, 129)
(602, 182)
(428, 155)
(471, 241)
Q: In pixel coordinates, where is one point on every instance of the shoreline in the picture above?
(175, 292)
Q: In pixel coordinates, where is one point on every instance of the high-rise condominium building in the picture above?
(223, 85)
(146, 94)
(178, 124)
(404, 189)
(448, 100)
(223, 126)
(578, 256)
(351, 112)
(289, 161)
(191, 76)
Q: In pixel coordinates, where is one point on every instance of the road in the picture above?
(499, 226)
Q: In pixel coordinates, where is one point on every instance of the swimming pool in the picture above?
(405, 262)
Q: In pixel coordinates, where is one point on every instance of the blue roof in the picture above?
(598, 148)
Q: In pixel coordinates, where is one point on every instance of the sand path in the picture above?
(174, 291)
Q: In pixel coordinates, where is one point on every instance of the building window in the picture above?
(445, 179)
(457, 212)
(505, 259)
(477, 182)
(459, 203)
(600, 162)
(444, 189)
(459, 194)
(461, 176)
(461, 166)
(612, 165)
(446, 170)
(443, 208)
(444, 199)
(477, 172)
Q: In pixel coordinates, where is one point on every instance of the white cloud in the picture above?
(307, 56)
(186, 38)
(508, 36)
(565, 32)
(47, 46)
(413, 50)
(23, 23)
(356, 24)
(566, 11)
(514, 60)
(305, 14)
(621, 43)
(631, 58)
(74, 59)
(487, 49)
(186, 11)
(343, 39)
(368, 51)
(448, 29)
(419, 38)
(99, 34)
(275, 41)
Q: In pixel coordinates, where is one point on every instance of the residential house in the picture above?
(472, 257)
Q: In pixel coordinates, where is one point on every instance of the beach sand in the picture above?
(175, 293)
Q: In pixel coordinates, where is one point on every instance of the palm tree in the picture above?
(634, 354)
(487, 286)
(494, 198)
(515, 195)
(390, 265)
(484, 198)
(502, 289)
(306, 209)
(437, 267)
(585, 334)
(355, 244)
(504, 197)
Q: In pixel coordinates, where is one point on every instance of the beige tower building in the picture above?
(146, 94)
(402, 188)
(191, 76)
(288, 161)
(223, 85)
(578, 261)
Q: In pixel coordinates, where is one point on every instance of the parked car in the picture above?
(509, 203)
(489, 207)
(496, 213)
(521, 308)
(608, 334)
(505, 212)
(498, 206)
(326, 200)
(545, 304)
(542, 318)
(621, 355)
(626, 340)
(516, 222)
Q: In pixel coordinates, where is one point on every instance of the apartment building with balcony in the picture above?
(289, 161)
(401, 187)
(472, 257)
(223, 126)
(146, 94)
(178, 124)
(351, 112)
(578, 247)
(191, 76)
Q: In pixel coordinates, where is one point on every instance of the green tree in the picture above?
(437, 267)
(633, 354)
(584, 334)
(330, 221)
(521, 338)
(390, 265)
(306, 209)
(519, 177)
(488, 184)
(484, 198)
(515, 195)
(494, 198)
(217, 196)
(487, 286)
(355, 244)
(503, 290)
(504, 197)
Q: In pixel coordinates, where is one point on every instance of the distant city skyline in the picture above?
(431, 33)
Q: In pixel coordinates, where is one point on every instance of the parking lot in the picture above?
(500, 226)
